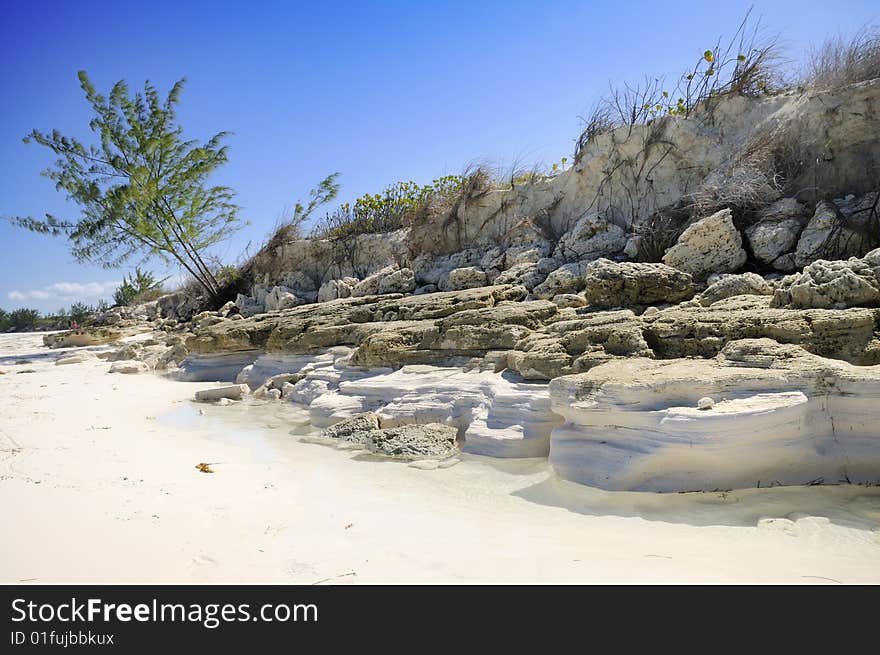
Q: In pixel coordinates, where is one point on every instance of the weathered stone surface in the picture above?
(75, 358)
(750, 284)
(611, 284)
(94, 336)
(568, 278)
(704, 331)
(400, 281)
(281, 298)
(179, 306)
(833, 284)
(129, 367)
(232, 392)
(469, 277)
(591, 237)
(333, 289)
(538, 339)
(711, 245)
(527, 274)
(832, 234)
(564, 300)
(391, 279)
(407, 442)
(414, 442)
(779, 416)
(769, 240)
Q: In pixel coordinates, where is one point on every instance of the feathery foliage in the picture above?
(141, 285)
(143, 189)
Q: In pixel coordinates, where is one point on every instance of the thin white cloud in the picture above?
(67, 291)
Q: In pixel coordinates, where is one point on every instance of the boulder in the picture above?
(457, 279)
(564, 300)
(370, 286)
(232, 392)
(568, 278)
(414, 441)
(613, 284)
(527, 274)
(735, 285)
(711, 245)
(399, 281)
(180, 306)
(280, 298)
(129, 367)
(838, 284)
(832, 234)
(776, 232)
(333, 289)
(76, 358)
(591, 237)
(408, 442)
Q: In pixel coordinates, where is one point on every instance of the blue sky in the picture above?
(377, 91)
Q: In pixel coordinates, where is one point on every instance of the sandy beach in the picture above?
(98, 484)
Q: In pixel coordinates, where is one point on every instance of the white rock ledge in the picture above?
(781, 417)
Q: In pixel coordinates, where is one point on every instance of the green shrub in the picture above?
(139, 287)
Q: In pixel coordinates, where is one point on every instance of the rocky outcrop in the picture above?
(779, 416)
(591, 237)
(230, 392)
(568, 278)
(839, 230)
(727, 286)
(611, 284)
(129, 367)
(457, 279)
(776, 233)
(91, 336)
(407, 442)
(711, 245)
(833, 284)
(391, 279)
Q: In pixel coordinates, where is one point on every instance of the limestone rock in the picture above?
(569, 300)
(833, 235)
(413, 441)
(333, 289)
(832, 284)
(76, 358)
(280, 298)
(711, 245)
(769, 240)
(735, 285)
(568, 278)
(391, 279)
(612, 284)
(591, 237)
(400, 281)
(463, 278)
(409, 442)
(781, 416)
(129, 367)
(527, 274)
(232, 392)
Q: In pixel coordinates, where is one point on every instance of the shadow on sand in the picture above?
(852, 506)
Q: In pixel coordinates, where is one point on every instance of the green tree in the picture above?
(80, 311)
(143, 189)
(23, 320)
(4, 320)
(139, 284)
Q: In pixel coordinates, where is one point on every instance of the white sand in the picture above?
(98, 484)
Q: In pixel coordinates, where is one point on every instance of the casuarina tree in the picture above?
(143, 189)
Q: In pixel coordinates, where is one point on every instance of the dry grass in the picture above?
(845, 61)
